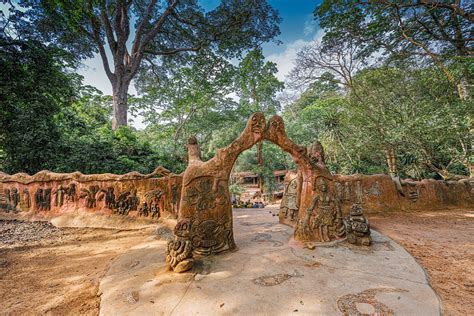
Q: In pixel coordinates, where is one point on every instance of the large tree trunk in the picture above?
(120, 104)
(391, 160)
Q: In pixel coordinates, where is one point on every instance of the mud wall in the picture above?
(49, 194)
(380, 193)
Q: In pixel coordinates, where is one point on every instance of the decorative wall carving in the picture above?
(324, 217)
(152, 204)
(26, 199)
(90, 195)
(77, 192)
(290, 201)
(9, 199)
(59, 194)
(43, 199)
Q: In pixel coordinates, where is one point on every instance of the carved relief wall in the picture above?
(49, 194)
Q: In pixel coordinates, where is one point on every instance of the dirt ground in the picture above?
(58, 270)
(443, 243)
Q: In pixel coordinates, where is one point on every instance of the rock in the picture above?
(183, 266)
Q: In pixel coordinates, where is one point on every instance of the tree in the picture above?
(332, 60)
(439, 32)
(187, 97)
(257, 89)
(155, 28)
(409, 116)
(34, 87)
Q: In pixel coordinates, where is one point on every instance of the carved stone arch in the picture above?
(205, 198)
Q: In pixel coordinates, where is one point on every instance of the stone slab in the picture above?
(270, 275)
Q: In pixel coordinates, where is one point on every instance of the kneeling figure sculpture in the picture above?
(180, 250)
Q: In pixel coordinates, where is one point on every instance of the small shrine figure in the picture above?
(357, 227)
(180, 250)
(324, 212)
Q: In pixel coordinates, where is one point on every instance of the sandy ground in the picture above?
(443, 243)
(59, 273)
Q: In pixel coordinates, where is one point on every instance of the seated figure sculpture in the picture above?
(357, 227)
(180, 250)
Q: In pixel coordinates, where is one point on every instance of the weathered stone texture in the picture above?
(50, 194)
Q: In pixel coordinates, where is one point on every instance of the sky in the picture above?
(298, 28)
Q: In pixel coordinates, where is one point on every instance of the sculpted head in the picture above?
(183, 228)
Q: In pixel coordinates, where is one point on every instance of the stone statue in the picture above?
(180, 250)
(357, 227)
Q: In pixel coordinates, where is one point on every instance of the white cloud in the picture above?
(310, 25)
(286, 60)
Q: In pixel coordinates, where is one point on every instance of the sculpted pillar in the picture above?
(205, 198)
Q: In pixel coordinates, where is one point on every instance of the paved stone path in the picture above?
(270, 275)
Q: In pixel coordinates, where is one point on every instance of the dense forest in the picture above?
(387, 89)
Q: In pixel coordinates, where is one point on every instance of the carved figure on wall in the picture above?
(8, 204)
(143, 210)
(153, 202)
(5, 200)
(47, 199)
(71, 192)
(180, 250)
(59, 196)
(374, 190)
(324, 212)
(90, 195)
(43, 199)
(62, 193)
(289, 202)
(26, 198)
(202, 196)
(122, 203)
(14, 198)
(357, 227)
(133, 201)
(39, 199)
(110, 198)
(358, 191)
(210, 236)
(347, 191)
(413, 192)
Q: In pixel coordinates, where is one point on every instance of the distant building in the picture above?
(249, 181)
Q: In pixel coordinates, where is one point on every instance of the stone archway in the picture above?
(205, 214)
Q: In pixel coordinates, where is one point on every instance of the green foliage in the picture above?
(415, 111)
(33, 90)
